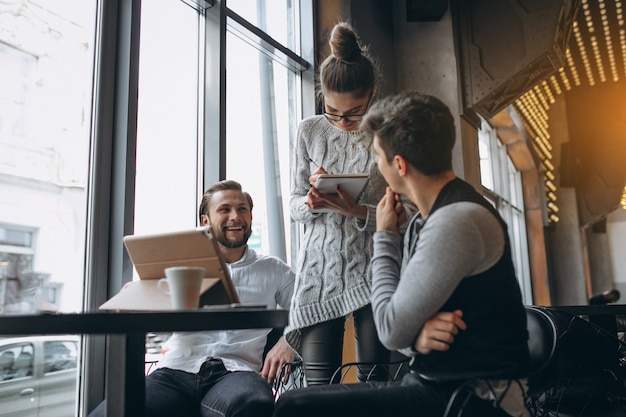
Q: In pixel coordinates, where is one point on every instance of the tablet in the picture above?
(353, 184)
(151, 254)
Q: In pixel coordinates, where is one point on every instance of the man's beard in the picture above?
(221, 238)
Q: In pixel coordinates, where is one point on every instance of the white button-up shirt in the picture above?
(258, 279)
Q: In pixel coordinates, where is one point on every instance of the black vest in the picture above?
(496, 335)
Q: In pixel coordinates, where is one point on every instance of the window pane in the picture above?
(486, 176)
(258, 128)
(46, 61)
(258, 12)
(46, 74)
(60, 355)
(167, 120)
(506, 193)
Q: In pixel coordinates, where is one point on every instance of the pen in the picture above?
(313, 162)
(317, 165)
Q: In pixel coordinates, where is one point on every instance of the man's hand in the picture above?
(439, 331)
(279, 355)
(389, 212)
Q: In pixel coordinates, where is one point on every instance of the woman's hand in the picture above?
(315, 174)
(340, 202)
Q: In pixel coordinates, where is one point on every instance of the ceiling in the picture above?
(595, 159)
(542, 55)
(592, 83)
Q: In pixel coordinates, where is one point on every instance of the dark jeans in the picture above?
(322, 348)
(213, 391)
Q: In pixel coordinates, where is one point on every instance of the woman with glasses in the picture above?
(333, 270)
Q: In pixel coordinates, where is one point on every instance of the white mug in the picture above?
(183, 286)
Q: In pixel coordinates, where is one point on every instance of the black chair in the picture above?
(290, 376)
(394, 370)
(542, 345)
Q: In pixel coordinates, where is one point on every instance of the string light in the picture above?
(597, 45)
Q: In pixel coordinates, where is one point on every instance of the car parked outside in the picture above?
(38, 376)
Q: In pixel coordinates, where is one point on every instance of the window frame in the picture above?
(507, 198)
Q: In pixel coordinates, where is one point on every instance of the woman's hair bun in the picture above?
(344, 44)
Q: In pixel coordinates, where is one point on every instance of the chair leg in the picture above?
(464, 403)
(458, 401)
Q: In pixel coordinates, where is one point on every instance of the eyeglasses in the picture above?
(349, 117)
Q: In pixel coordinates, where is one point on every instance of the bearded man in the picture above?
(223, 373)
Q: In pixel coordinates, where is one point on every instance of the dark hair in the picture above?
(348, 68)
(416, 126)
(223, 185)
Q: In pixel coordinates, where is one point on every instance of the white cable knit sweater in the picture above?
(333, 270)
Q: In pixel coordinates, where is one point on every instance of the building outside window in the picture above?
(46, 83)
(46, 55)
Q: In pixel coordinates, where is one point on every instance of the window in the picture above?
(16, 361)
(60, 355)
(46, 55)
(114, 117)
(167, 179)
(502, 185)
(263, 78)
(46, 82)
(174, 79)
(256, 83)
(16, 236)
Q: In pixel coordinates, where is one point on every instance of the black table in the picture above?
(125, 389)
(592, 310)
(604, 316)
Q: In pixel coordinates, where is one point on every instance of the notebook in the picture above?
(353, 184)
(151, 254)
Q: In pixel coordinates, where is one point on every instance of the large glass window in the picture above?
(257, 147)
(502, 185)
(260, 109)
(166, 182)
(46, 82)
(46, 56)
(275, 17)
(91, 153)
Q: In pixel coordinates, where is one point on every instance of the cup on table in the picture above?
(182, 284)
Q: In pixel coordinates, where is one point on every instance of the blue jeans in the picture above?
(212, 392)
